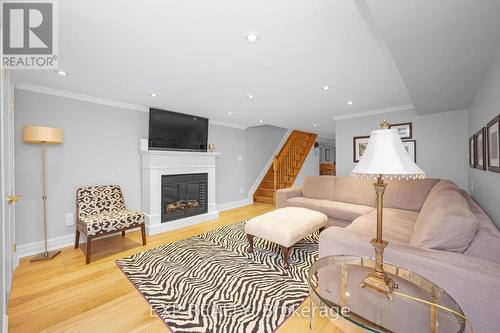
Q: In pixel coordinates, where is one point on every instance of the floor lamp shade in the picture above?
(44, 135)
(39, 134)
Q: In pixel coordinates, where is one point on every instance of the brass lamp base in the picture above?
(378, 280)
(380, 283)
(48, 255)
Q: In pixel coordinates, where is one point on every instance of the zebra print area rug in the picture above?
(209, 283)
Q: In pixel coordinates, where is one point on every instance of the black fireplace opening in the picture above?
(183, 195)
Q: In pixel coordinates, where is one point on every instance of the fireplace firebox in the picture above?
(183, 195)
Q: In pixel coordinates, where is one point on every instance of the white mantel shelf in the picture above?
(156, 163)
(178, 153)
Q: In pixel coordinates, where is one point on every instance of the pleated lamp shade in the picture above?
(385, 155)
(39, 134)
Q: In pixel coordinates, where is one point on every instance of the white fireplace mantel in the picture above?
(156, 163)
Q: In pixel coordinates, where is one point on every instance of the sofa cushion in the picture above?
(354, 190)
(342, 210)
(407, 194)
(304, 203)
(318, 187)
(398, 225)
(445, 221)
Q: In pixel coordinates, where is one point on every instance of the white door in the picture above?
(8, 194)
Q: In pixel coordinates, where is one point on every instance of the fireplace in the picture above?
(183, 195)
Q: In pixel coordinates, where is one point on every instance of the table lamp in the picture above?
(43, 135)
(384, 158)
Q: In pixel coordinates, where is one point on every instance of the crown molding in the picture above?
(396, 108)
(99, 100)
(79, 97)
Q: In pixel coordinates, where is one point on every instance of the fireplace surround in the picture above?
(157, 163)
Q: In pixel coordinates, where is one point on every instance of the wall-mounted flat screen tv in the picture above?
(177, 131)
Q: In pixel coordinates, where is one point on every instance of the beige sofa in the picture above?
(433, 227)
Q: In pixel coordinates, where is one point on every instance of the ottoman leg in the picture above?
(250, 243)
(285, 256)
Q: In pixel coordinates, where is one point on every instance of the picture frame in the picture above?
(480, 149)
(472, 152)
(359, 144)
(405, 130)
(493, 144)
(411, 148)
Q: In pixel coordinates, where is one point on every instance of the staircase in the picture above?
(286, 166)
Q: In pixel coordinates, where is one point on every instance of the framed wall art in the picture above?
(359, 144)
(493, 140)
(472, 153)
(404, 130)
(480, 149)
(411, 148)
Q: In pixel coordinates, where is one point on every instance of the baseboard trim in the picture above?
(56, 243)
(234, 204)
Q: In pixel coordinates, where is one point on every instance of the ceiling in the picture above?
(195, 55)
(441, 48)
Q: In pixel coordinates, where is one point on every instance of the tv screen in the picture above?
(176, 131)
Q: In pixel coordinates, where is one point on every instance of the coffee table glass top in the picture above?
(418, 306)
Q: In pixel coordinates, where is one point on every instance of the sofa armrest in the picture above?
(473, 282)
(282, 195)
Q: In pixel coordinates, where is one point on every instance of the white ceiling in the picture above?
(195, 55)
(442, 48)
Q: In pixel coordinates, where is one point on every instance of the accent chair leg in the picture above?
(123, 233)
(285, 251)
(250, 243)
(143, 233)
(77, 238)
(89, 244)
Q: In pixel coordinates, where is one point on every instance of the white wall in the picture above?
(485, 185)
(261, 142)
(100, 147)
(231, 165)
(441, 141)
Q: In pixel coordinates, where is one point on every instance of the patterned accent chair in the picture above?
(100, 211)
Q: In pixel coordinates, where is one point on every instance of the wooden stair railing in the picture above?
(286, 166)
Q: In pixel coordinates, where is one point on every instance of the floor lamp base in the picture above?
(46, 255)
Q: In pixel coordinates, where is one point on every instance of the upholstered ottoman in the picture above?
(285, 227)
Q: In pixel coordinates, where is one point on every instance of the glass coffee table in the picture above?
(337, 300)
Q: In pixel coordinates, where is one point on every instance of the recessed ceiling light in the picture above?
(249, 96)
(63, 73)
(326, 87)
(252, 37)
(314, 125)
(349, 103)
(261, 121)
(153, 95)
(230, 113)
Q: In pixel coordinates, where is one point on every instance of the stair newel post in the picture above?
(275, 178)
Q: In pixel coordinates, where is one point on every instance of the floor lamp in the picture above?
(385, 157)
(43, 136)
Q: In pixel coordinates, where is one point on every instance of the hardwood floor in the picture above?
(65, 295)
